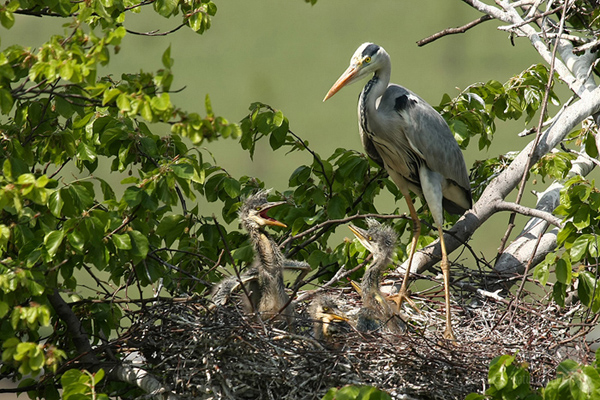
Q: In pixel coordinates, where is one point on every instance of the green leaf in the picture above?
(133, 196)
(563, 271)
(182, 170)
(497, 375)
(579, 248)
(167, 61)
(232, 187)
(165, 8)
(336, 208)
(6, 101)
(86, 152)
(587, 286)
(52, 242)
(122, 242)
(139, 243)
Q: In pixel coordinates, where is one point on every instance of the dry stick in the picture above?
(453, 31)
(327, 224)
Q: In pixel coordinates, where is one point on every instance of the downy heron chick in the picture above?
(265, 279)
(328, 320)
(380, 241)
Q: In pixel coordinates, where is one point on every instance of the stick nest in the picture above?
(224, 354)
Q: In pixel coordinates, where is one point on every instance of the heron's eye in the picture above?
(370, 238)
(258, 208)
(326, 309)
(367, 59)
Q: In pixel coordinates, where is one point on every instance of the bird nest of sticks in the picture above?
(221, 353)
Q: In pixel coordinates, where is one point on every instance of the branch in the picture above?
(530, 212)
(324, 226)
(156, 32)
(453, 31)
(74, 328)
(124, 373)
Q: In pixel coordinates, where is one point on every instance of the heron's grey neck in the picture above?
(271, 259)
(373, 90)
(372, 277)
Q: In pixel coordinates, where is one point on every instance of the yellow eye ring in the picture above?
(367, 59)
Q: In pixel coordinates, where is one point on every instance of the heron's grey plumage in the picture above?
(412, 141)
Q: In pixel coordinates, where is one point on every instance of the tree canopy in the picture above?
(78, 253)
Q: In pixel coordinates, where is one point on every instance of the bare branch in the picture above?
(530, 212)
(453, 31)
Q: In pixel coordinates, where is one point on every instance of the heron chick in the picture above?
(265, 279)
(405, 135)
(380, 241)
(328, 321)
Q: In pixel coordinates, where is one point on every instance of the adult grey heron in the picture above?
(265, 278)
(406, 136)
(380, 241)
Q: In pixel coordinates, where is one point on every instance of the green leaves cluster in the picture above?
(509, 380)
(475, 110)
(354, 392)
(576, 264)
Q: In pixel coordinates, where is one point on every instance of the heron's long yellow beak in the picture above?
(342, 81)
(271, 221)
(359, 233)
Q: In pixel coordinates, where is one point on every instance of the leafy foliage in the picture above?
(353, 392)
(510, 381)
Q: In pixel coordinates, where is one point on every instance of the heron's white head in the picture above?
(367, 59)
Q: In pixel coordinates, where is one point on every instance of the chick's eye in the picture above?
(258, 208)
(370, 238)
(325, 308)
(367, 59)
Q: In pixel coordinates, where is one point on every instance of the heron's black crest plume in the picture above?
(370, 50)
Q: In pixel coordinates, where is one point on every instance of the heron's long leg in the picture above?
(448, 333)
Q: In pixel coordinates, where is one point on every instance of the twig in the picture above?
(453, 31)
(330, 222)
(529, 212)
(156, 32)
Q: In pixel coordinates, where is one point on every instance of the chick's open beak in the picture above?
(268, 220)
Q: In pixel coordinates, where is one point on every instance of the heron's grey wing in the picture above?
(370, 149)
(429, 137)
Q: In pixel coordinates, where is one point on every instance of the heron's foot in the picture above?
(449, 334)
(401, 297)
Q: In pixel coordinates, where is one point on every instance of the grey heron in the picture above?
(265, 278)
(380, 241)
(410, 139)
